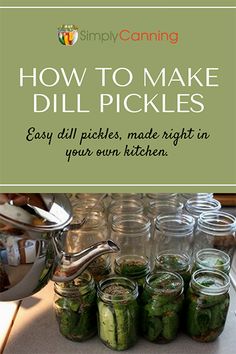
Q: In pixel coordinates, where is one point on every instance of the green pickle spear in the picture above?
(207, 304)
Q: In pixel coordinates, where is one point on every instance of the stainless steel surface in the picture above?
(32, 254)
(74, 264)
(39, 212)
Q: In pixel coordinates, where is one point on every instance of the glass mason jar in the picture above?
(100, 198)
(124, 206)
(158, 207)
(212, 259)
(93, 230)
(133, 267)
(161, 306)
(216, 230)
(162, 196)
(117, 312)
(175, 263)
(196, 206)
(131, 232)
(84, 206)
(174, 234)
(185, 196)
(75, 307)
(207, 304)
(117, 196)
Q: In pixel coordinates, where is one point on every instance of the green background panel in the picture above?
(206, 39)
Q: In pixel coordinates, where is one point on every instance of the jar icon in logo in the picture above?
(67, 34)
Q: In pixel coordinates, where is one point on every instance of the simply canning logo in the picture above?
(69, 34)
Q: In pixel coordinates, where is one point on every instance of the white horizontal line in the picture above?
(118, 7)
(115, 185)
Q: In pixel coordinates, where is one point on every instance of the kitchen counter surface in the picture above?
(35, 330)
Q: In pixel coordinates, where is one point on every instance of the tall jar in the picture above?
(161, 306)
(207, 305)
(196, 206)
(117, 312)
(212, 259)
(216, 230)
(174, 234)
(75, 308)
(132, 234)
(93, 230)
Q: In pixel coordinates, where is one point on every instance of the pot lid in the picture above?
(35, 212)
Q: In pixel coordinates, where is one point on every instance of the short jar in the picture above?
(133, 267)
(176, 263)
(207, 304)
(161, 306)
(117, 312)
(75, 307)
(212, 259)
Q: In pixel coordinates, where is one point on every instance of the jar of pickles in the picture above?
(176, 263)
(212, 259)
(117, 312)
(207, 304)
(216, 230)
(133, 267)
(75, 307)
(161, 306)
